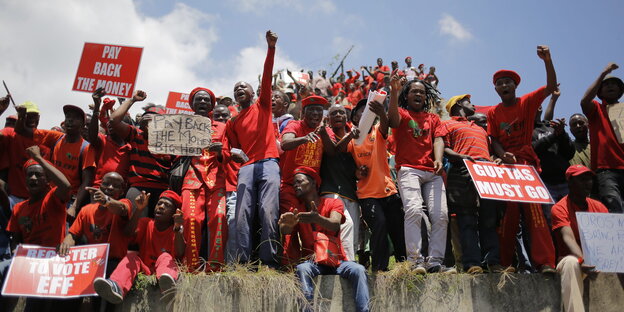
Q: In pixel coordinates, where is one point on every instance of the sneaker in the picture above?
(419, 268)
(475, 269)
(497, 268)
(448, 270)
(547, 269)
(108, 290)
(166, 282)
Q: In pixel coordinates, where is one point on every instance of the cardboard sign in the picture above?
(39, 272)
(602, 240)
(178, 103)
(518, 183)
(616, 116)
(184, 135)
(110, 66)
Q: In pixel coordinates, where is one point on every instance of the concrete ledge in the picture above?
(604, 292)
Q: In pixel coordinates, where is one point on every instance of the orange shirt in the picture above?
(373, 154)
(41, 223)
(99, 225)
(67, 158)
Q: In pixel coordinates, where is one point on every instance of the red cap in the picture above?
(314, 100)
(408, 58)
(576, 170)
(506, 73)
(310, 173)
(12, 117)
(173, 196)
(212, 96)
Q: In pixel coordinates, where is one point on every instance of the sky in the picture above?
(214, 44)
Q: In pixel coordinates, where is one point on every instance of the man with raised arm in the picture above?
(510, 125)
(252, 132)
(607, 150)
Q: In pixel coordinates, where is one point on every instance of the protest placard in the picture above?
(616, 117)
(110, 66)
(178, 103)
(39, 272)
(602, 240)
(518, 183)
(184, 135)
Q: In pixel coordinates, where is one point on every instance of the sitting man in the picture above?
(160, 240)
(324, 217)
(103, 221)
(566, 233)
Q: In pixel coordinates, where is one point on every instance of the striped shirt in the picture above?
(146, 169)
(466, 137)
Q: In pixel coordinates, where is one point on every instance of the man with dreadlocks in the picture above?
(419, 150)
(510, 125)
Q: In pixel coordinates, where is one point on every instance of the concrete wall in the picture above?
(488, 292)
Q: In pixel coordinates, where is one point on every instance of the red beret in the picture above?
(576, 170)
(30, 162)
(506, 73)
(310, 173)
(154, 110)
(314, 100)
(173, 196)
(212, 96)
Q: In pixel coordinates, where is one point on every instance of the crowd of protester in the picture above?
(284, 184)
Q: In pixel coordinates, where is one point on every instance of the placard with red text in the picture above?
(178, 103)
(39, 272)
(113, 67)
(518, 183)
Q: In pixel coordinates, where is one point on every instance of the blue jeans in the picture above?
(355, 273)
(230, 207)
(258, 198)
(611, 188)
(477, 233)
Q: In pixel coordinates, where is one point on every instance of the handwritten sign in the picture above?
(518, 183)
(39, 272)
(178, 103)
(616, 116)
(185, 135)
(110, 66)
(602, 240)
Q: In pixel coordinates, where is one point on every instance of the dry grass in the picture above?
(239, 288)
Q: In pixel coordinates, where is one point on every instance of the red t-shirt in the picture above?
(466, 137)
(355, 96)
(379, 76)
(101, 226)
(325, 208)
(308, 154)
(336, 88)
(513, 125)
(606, 151)
(41, 223)
(71, 160)
(110, 158)
(414, 139)
(564, 214)
(14, 156)
(152, 242)
(252, 130)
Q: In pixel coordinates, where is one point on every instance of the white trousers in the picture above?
(419, 187)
